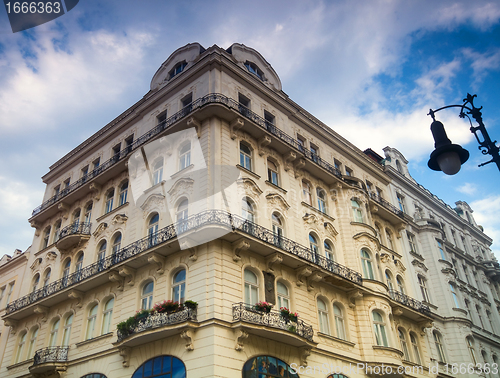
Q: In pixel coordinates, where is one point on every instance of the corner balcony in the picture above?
(386, 210)
(158, 326)
(410, 304)
(271, 325)
(282, 142)
(48, 361)
(74, 234)
(204, 223)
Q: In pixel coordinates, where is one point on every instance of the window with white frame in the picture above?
(367, 265)
(88, 213)
(57, 230)
(46, 238)
(441, 250)
(412, 242)
(324, 326)
(53, 333)
(158, 171)
(404, 345)
(390, 242)
(185, 156)
(91, 321)
(147, 295)
(179, 286)
(283, 295)
(20, 346)
(313, 243)
(272, 173)
(245, 156)
(117, 241)
(438, 342)
(34, 283)
(357, 212)
(123, 193)
(66, 270)
(401, 203)
(153, 229)
(251, 287)
(472, 351)
(454, 295)
(277, 229)
(389, 280)
(32, 342)
(329, 251)
(306, 192)
(422, 282)
(178, 68)
(252, 67)
(247, 210)
(415, 349)
(321, 194)
(401, 284)
(101, 254)
(379, 329)
(46, 278)
(339, 322)
(67, 330)
(107, 315)
(109, 201)
(79, 262)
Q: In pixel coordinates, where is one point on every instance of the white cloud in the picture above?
(468, 188)
(486, 214)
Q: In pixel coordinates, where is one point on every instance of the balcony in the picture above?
(74, 234)
(409, 302)
(386, 210)
(164, 324)
(215, 98)
(293, 333)
(51, 360)
(210, 219)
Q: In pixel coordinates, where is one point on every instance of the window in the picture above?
(153, 229)
(245, 156)
(401, 285)
(53, 333)
(32, 343)
(79, 263)
(356, 210)
(116, 151)
(91, 320)
(283, 296)
(57, 230)
(20, 347)
(11, 289)
(252, 67)
(466, 272)
(46, 237)
(399, 167)
(438, 342)
(2, 293)
(388, 278)
(162, 117)
(412, 243)
(247, 210)
(369, 186)
(123, 194)
(101, 254)
(379, 329)
(441, 250)
(423, 289)
(301, 143)
(367, 265)
(130, 140)
(455, 297)
(324, 326)
(76, 218)
(57, 189)
(185, 156)
(67, 330)
(66, 183)
(106, 316)
(244, 104)
(329, 251)
(277, 229)
(84, 172)
(401, 203)
(339, 322)
(95, 163)
(348, 171)
(272, 173)
(321, 200)
(267, 366)
(479, 315)
(117, 241)
(66, 269)
(46, 278)
(179, 286)
(404, 345)
(178, 68)
(251, 287)
(269, 118)
(187, 102)
(161, 367)
(464, 243)
(472, 351)
(314, 150)
(88, 213)
(158, 171)
(109, 201)
(337, 165)
(388, 236)
(306, 192)
(488, 316)
(313, 243)
(416, 350)
(183, 211)
(147, 296)
(34, 284)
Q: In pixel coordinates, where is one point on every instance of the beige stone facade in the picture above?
(312, 229)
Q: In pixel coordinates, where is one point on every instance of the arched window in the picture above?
(422, 282)
(185, 156)
(46, 277)
(35, 282)
(251, 287)
(88, 213)
(367, 265)
(153, 229)
(94, 375)
(101, 254)
(401, 285)
(472, 351)
(283, 295)
(324, 326)
(179, 286)
(76, 218)
(379, 329)
(320, 193)
(272, 173)
(67, 266)
(245, 156)
(123, 194)
(404, 345)
(109, 201)
(53, 333)
(438, 342)
(313, 243)
(415, 348)
(67, 330)
(46, 238)
(147, 296)
(117, 241)
(91, 320)
(399, 167)
(182, 215)
(390, 243)
(277, 229)
(252, 67)
(158, 171)
(306, 192)
(57, 230)
(388, 278)
(356, 211)
(107, 314)
(329, 251)
(268, 367)
(161, 367)
(247, 209)
(20, 347)
(339, 322)
(32, 343)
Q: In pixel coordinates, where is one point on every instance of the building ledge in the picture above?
(97, 338)
(251, 173)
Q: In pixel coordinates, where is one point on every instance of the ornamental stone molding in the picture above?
(274, 259)
(249, 186)
(301, 274)
(187, 336)
(182, 186)
(235, 125)
(289, 157)
(241, 336)
(238, 246)
(159, 261)
(276, 200)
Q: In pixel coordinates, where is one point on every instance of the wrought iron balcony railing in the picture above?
(157, 320)
(409, 301)
(206, 218)
(50, 354)
(246, 313)
(151, 134)
(76, 227)
(387, 204)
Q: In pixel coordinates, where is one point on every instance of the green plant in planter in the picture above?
(190, 304)
(123, 328)
(292, 328)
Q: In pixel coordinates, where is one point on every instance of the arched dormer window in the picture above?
(252, 67)
(178, 68)
(185, 156)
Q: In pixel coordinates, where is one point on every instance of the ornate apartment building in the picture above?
(164, 239)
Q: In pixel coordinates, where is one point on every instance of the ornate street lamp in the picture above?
(448, 157)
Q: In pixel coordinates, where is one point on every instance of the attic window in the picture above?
(254, 69)
(178, 68)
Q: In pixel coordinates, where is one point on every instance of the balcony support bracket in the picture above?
(125, 271)
(301, 274)
(304, 353)
(238, 246)
(187, 336)
(313, 278)
(42, 310)
(115, 277)
(289, 158)
(275, 258)
(159, 261)
(237, 124)
(356, 294)
(241, 336)
(125, 353)
(78, 295)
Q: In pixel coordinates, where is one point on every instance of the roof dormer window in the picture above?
(252, 67)
(178, 68)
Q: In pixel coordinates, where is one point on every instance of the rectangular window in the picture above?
(369, 186)
(401, 203)
(412, 242)
(66, 183)
(162, 117)
(57, 189)
(116, 150)
(348, 171)
(9, 292)
(423, 289)
(2, 293)
(84, 172)
(244, 105)
(441, 250)
(455, 297)
(379, 192)
(269, 118)
(128, 143)
(464, 243)
(314, 152)
(337, 165)
(187, 103)
(301, 143)
(95, 163)
(466, 272)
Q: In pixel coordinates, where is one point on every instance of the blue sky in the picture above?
(369, 69)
